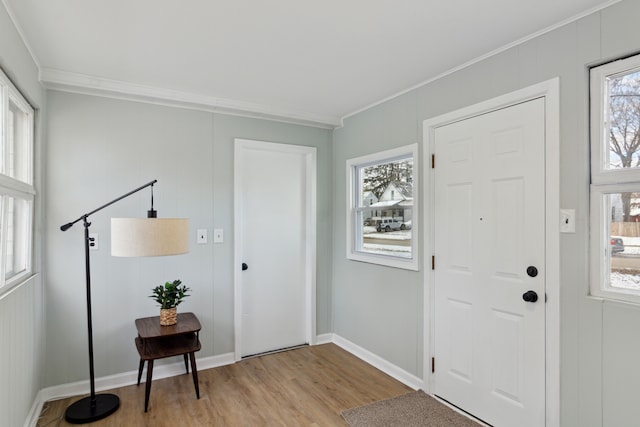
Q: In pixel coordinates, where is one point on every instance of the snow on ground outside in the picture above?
(391, 235)
(399, 251)
(390, 249)
(619, 280)
(627, 281)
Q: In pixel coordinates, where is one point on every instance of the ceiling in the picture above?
(293, 60)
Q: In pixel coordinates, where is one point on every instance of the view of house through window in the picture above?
(615, 189)
(386, 203)
(382, 208)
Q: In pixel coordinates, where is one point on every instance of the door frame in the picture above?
(310, 157)
(550, 91)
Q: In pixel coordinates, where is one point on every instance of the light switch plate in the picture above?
(567, 220)
(202, 236)
(218, 235)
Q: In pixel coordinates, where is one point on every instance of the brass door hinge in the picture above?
(433, 262)
(433, 161)
(433, 365)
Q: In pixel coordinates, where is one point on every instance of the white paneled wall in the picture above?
(20, 351)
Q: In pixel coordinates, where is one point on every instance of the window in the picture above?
(16, 184)
(615, 180)
(382, 208)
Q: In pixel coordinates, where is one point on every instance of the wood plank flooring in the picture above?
(308, 386)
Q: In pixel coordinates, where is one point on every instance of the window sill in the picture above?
(385, 261)
(7, 290)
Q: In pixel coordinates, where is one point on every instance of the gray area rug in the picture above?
(414, 409)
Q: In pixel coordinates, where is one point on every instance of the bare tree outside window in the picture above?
(386, 223)
(623, 122)
(624, 128)
(378, 177)
(382, 208)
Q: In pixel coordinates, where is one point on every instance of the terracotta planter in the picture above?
(168, 316)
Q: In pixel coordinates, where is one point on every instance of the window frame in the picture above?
(17, 189)
(354, 232)
(605, 181)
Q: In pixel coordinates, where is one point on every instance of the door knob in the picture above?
(244, 266)
(530, 296)
(532, 271)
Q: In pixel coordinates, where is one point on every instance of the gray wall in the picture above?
(100, 148)
(380, 308)
(21, 310)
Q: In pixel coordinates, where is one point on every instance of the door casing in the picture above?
(310, 156)
(550, 90)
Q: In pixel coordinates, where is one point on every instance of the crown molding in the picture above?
(97, 86)
(21, 33)
(483, 57)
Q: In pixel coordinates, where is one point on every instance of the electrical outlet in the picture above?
(202, 236)
(93, 242)
(218, 235)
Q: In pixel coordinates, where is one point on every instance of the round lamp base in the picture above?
(87, 410)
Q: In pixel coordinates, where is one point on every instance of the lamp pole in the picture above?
(95, 406)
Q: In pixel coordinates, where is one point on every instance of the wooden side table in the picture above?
(157, 342)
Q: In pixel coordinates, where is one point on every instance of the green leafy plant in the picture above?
(170, 294)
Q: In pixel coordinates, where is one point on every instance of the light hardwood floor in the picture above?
(309, 386)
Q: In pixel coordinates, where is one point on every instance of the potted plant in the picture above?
(169, 296)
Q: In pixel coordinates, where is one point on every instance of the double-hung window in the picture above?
(382, 208)
(16, 184)
(615, 180)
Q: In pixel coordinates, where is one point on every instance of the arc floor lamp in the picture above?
(130, 237)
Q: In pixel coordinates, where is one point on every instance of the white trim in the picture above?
(599, 273)
(15, 188)
(7, 290)
(550, 90)
(324, 339)
(310, 238)
(177, 368)
(375, 158)
(378, 362)
(97, 86)
(119, 380)
(486, 56)
(21, 32)
(606, 181)
(66, 81)
(598, 96)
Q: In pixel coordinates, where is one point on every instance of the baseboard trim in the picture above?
(324, 339)
(169, 370)
(119, 380)
(380, 363)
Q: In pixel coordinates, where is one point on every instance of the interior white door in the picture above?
(489, 237)
(273, 241)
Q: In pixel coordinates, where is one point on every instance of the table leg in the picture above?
(194, 371)
(147, 390)
(140, 370)
(186, 365)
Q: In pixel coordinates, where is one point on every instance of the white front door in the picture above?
(489, 245)
(275, 241)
